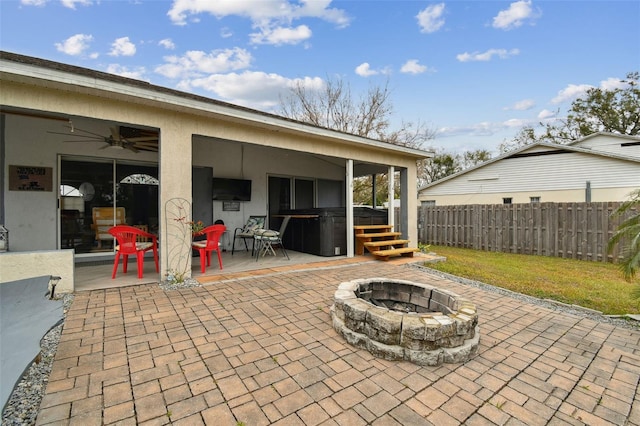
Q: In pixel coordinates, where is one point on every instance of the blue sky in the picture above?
(475, 71)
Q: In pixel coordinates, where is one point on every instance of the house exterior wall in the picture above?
(559, 177)
(605, 194)
(57, 263)
(31, 217)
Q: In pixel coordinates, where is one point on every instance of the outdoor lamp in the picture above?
(4, 239)
(53, 282)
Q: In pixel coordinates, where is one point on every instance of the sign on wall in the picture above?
(230, 206)
(30, 178)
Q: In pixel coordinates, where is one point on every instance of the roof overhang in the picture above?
(35, 71)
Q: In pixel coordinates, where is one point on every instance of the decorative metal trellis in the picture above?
(178, 217)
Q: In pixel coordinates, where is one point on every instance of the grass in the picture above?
(592, 285)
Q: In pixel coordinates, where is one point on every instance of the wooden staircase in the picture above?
(381, 242)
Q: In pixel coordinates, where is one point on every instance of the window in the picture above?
(428, 203)
(507, 200)
(534, 199)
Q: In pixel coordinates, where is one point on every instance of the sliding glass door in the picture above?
(96, 194)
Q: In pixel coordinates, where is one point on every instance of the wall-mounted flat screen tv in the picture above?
(225, 189)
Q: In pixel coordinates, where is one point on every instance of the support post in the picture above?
(349, 209)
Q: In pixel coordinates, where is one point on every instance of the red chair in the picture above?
(212, 243)
(130, 240)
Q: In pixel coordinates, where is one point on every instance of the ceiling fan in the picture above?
(121, 137)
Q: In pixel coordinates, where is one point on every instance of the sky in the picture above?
(474, 72)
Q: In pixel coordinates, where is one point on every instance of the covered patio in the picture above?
(88, 143)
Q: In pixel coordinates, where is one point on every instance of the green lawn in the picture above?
(593, 285)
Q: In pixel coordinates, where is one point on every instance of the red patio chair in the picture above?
(212, 243)
(128, 242)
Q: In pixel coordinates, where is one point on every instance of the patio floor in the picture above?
(259, 348)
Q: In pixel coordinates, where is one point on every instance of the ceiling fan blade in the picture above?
(144, 142)
(115, 134)
(75, 131)
(75, 135)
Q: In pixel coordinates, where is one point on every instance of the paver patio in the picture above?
(258, 350)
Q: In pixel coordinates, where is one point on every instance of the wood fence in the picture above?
(569, 230)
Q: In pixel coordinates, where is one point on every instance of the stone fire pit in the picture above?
(404, 320)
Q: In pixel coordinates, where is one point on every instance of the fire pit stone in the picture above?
(404, 320)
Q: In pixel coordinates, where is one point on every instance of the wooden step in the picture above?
(386, 254)
(363, 238)
(383, 243)
(378, 235)
(369, 227)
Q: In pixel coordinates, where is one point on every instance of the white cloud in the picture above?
(575, 91)
(364, 70)
(281, 35)
(272, 19)
(413, 67)
(251, 89)
(122, 47)
(515, 16)
(33, 2)
(485, 128)
(570, 93)
(167, 43)
(430, 19)
(226, 32)
(137, 73)
(75, 45)
(513, 123)
(258, 11)
(197, 63)
(613, 83)
(487, 56)
(545, 114)
(522, 105)
(71, 4)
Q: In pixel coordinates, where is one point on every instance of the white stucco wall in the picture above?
(59, 263)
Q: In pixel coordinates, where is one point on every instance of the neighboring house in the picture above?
(74, 141)
(599, 167)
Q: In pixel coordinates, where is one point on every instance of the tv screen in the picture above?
(231, 189)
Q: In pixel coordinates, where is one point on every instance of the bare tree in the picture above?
(334, 107)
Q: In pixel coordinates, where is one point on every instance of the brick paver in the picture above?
(260, 349)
